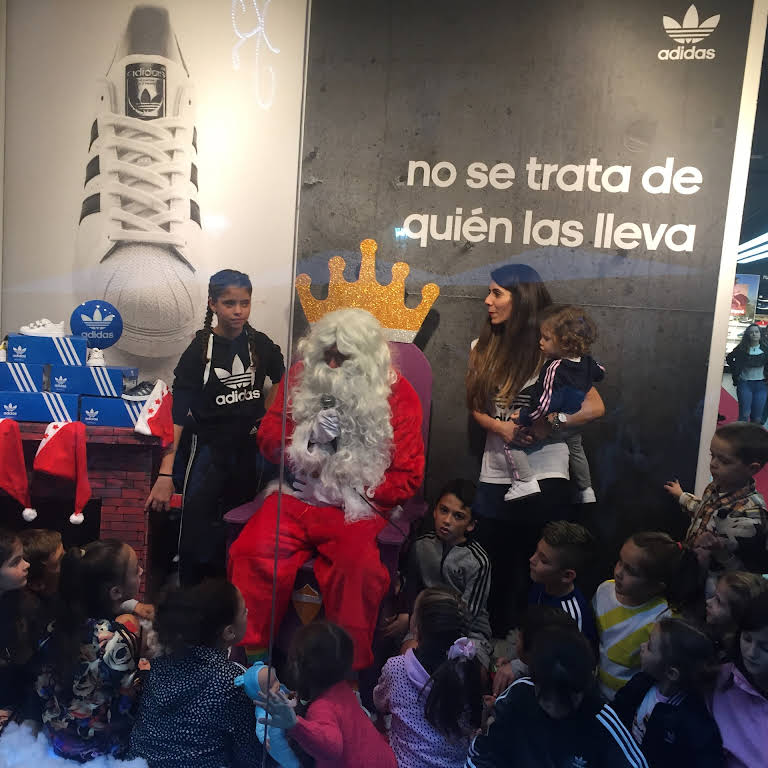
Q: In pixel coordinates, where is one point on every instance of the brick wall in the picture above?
(122, 466)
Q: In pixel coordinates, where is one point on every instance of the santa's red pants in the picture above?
(348, 568)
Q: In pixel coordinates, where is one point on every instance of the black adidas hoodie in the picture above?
(231, 402)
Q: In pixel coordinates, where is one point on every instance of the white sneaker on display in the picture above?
(96, 358)
(519, 490)
(587, 496)
(137, 244)
(43, 327)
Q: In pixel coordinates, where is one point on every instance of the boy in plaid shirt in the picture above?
(729, 524)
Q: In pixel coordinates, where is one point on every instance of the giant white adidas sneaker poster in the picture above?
(594, 141)
(148, 146)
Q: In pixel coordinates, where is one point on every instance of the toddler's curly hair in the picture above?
(573, 329)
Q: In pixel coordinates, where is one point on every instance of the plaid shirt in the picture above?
(739, 518)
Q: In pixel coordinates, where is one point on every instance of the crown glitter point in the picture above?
(385, 302)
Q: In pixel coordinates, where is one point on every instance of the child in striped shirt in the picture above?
(627, 606)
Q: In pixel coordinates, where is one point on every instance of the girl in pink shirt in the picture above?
(336, 731)
(740, 701)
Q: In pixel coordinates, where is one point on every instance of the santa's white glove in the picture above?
(315, 493)
(326, 427)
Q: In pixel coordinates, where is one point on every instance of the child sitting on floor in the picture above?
(725, 609)
(335, 731)
(191, 712)
(433, 692)
(88, 678)
(663, 706)
(450, 557)
(740, 700)
(15, 651)
(627, 606)
(563, 550)
(556, 717)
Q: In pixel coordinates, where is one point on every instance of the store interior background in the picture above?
(752, 260)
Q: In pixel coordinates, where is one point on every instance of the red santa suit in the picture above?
(348, 568)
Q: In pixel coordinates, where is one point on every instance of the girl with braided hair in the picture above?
(218, 402)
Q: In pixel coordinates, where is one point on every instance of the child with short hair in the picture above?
(450, 557)
(740, 700)
(335, 731)
(567, 334)
(563, 550)
(663, 705)
(556, 717)
(14, 645)
(650, 565)
(191, 712)
(87, 683)
(433, 692)
(729, 523)
(725, 608)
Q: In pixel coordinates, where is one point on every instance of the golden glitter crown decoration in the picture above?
(385, 302)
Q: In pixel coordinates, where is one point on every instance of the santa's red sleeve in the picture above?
(406, 472)
(270, 434)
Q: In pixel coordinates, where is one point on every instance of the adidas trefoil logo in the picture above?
(239, 378)
(60, 381)
(9, 409)
(91, 414)
(579, 762)
(20, 351)
(98, 322)
(690, 31)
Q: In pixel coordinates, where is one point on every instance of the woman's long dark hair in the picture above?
(744, 343)
(507, 355)
(219, 283)
(454, 703)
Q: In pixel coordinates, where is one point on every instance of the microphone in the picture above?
(329, 401)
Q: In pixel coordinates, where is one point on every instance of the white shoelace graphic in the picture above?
(152, 182)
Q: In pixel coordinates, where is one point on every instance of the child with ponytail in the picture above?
(218, 404)
(435, 691)
(654, 575)
(88, 679)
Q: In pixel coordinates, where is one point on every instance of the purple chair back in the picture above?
(413, 364)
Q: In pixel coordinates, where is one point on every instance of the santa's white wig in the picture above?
(361, 387)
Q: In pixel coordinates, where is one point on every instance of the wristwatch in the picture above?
(558, 421)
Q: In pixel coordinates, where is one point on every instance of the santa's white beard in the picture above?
(364, 447)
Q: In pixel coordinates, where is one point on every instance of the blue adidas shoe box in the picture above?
(21, 377)
(38, 406)
(68, 350)
(81, 380)
(109, 411)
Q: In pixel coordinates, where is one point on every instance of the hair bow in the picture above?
(463, 648)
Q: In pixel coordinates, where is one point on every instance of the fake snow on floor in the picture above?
(20, 748)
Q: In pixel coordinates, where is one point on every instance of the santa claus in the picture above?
(354, 451)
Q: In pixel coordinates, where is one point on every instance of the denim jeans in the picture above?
(752, 396)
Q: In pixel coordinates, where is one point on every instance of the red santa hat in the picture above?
(62, 453)
(13, 471)
(156, 418)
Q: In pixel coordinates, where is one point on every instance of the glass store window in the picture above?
(330, 327)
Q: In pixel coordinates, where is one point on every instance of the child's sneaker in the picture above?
(586, 496)
(520, 489)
